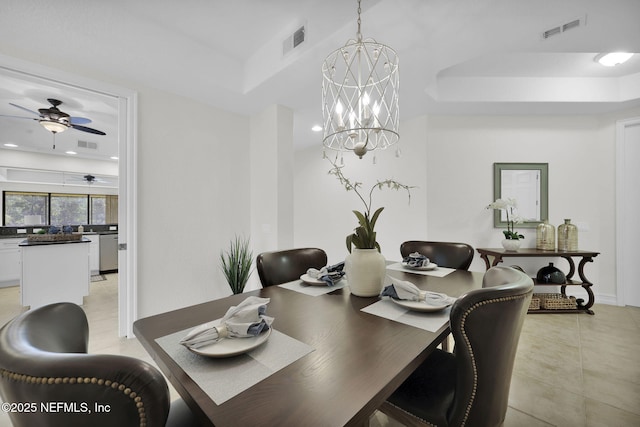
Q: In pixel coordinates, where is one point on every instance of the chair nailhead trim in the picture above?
(468, 344)
(4, 374)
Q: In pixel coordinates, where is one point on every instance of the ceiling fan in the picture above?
(55, 120)
(89, 179)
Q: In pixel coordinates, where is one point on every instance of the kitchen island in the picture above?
(56, 271)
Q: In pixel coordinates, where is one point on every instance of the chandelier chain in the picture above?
(359, 33)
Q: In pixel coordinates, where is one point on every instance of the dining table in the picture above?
(349, 360)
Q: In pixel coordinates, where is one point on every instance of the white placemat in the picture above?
(224, 378)
(438, 272)
(313, 290)
(427, 321)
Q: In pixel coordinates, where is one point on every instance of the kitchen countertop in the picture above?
(55, 242)
(25, 235)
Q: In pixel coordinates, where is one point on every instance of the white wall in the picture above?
(451, 159)
(193, 198)
(271, 186)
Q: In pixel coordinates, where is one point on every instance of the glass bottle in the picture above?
(545, 236)
(567, 236)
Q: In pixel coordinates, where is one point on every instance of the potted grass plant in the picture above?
(236, 264)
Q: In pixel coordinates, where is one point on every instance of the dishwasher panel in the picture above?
(108, 253)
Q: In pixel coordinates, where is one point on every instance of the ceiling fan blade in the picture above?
(86, 129)
(25, 109)
(79, 120)
(18, 117)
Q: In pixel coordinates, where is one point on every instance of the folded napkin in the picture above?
(416, 259)
(330, 274)
(245, 320)
(401, 289)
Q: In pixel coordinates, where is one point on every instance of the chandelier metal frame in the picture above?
(360, 84)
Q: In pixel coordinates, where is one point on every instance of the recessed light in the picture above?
(10, 145)
(316, 128)
(612, 59)
(71, 152)
(114, 157)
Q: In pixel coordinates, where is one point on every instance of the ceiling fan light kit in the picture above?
(53, 126)
(360, 84)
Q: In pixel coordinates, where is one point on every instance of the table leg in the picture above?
(497, 259)
(586, 284)
(485, 258)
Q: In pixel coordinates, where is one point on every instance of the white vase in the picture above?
(511, 244)
(365, 270)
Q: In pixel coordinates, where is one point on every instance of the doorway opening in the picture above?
(125, 102)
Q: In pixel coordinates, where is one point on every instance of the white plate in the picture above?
(419, 305)
(315, 282)
(228, 347)
(430, 266)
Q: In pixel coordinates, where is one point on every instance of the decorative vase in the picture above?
(545, 236)
(511, 244)
(365, 270)
(567, 236)
(551, 274)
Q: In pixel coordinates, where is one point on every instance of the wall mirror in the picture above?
(528, 183)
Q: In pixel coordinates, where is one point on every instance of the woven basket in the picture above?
(535, 303)
(53, 237)
(557, 302)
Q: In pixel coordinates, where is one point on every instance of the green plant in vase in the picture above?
(364, 235)
(236, 264)
(508, 205)
(365, 266)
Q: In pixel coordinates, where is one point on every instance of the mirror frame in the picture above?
(544, 191)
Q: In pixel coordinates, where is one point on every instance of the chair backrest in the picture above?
(486, 325)
(43, 362)
(445, 254)
(285, 266)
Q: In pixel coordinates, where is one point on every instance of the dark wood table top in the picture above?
(359, 358)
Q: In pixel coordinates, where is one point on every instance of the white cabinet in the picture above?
(94, 253)
(10, 261)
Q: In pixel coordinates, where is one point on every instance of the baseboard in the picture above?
(9, 283)
(607, 299)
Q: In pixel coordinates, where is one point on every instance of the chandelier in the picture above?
(360, 96)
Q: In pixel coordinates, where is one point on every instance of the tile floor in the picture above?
(571, 370)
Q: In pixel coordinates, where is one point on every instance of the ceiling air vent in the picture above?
(293, 41)
(551, 32)
(564, 27)
(88, 144)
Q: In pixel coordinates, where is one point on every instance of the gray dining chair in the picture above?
(445, 254)
(285, 266)
(44, 360)
(469, 387)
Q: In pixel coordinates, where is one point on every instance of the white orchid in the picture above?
(508, 205)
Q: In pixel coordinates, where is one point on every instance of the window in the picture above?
(69, 209)
(98, 209)
(22, 209)
(30, 209)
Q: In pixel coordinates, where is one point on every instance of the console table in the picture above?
(586, 256)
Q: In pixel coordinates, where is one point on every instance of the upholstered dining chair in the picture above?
(469, 387)
(46, 372)
(445, 254)
(285, 266)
